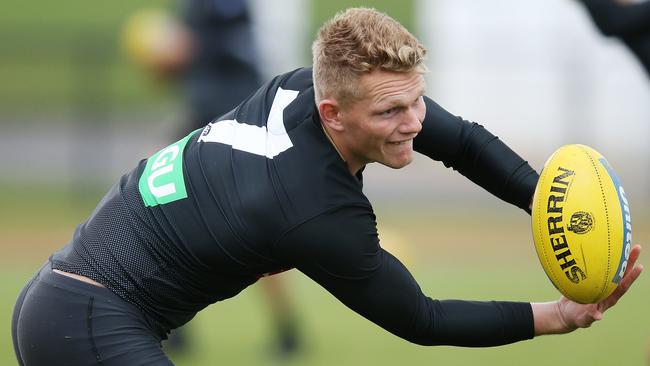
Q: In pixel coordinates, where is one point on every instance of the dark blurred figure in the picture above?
(211, 53)
(628, 20)
(223, 68)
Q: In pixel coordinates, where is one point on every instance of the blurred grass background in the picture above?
(53, 53)
(61, 63)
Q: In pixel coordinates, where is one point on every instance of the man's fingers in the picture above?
(632, 271)
(631, 260)
(631, 274)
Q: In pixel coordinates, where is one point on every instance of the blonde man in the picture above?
(273, 185)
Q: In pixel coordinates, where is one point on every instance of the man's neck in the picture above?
(329, 134)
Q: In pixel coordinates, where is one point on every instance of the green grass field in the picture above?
(457, 254)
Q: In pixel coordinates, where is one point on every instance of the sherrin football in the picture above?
(581, 224)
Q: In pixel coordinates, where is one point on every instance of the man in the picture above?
(277, 184)
(628, 20)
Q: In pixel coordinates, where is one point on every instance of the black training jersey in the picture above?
(261, 190)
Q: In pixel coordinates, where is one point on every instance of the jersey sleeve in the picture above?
(477, 154)
(340, 251)
(615, 19)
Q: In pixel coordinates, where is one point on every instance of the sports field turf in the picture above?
(456, 253)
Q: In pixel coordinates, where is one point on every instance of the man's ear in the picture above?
(330, 114)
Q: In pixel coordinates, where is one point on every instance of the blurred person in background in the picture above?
(275, 184)
(222, 68)
(628, 20)
(211, 52)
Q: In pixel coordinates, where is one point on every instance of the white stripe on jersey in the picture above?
(254, 139)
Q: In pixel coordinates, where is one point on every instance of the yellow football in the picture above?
(581, 224)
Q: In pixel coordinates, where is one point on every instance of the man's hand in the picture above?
(564, 315)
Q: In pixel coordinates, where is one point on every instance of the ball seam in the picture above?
(602, 193)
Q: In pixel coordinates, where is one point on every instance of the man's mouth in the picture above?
(399, 142)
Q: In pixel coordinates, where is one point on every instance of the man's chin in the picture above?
(398, 164)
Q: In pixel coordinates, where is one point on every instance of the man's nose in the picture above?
(412, 122)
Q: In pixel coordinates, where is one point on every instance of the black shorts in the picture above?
(59, 320)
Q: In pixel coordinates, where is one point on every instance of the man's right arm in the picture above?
(340, 250)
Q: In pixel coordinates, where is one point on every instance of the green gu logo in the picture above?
(162, 179)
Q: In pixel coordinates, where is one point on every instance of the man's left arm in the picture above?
(477, 154)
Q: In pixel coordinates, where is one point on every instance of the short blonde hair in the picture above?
(358, 41)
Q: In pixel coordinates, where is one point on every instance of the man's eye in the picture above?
(389, 112)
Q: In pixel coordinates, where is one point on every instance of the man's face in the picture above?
(381, 126)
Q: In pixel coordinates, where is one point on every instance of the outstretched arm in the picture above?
(340, 251)
(564, 315)
(477, 154)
